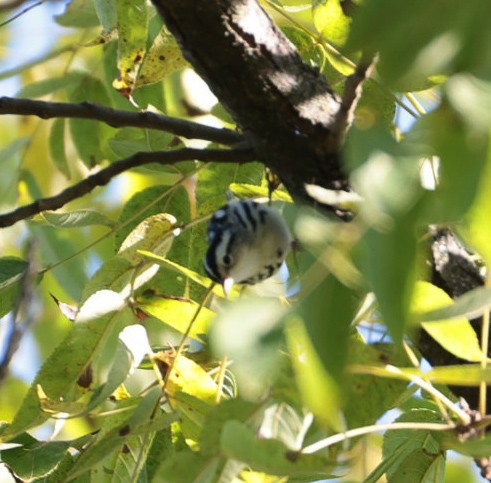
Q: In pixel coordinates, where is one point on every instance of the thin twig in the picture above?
(354, 433)
(118, 118)
(14, 4)
(351, 96)
(102, 177)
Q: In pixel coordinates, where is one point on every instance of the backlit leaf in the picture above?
(132, 25)
(456, 335)
(178, 313)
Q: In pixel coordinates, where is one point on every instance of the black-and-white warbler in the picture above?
(248, 243)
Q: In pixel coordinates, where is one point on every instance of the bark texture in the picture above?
(455, 271)
(285, 108)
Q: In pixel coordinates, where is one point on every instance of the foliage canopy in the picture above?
(116, 159)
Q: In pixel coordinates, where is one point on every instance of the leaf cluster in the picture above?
(142, 370)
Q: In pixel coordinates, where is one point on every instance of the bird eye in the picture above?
(227, 260)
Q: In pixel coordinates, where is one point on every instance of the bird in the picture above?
(248, 243)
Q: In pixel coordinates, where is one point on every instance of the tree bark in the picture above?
(285, 108)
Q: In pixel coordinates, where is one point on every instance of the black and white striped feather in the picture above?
(248, 242)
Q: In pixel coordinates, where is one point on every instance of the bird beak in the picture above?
(227, 285)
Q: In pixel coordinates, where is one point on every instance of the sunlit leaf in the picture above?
(98, 319)
(178, 313)
(132, 25)
(189, 378)
(472, 304)
(162, 58)
(244, 190)
(456, 335)
(330, 21)
(195, 277)
(154, 234)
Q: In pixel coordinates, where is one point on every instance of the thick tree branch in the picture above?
(102, 177)
(117, 118)
(456, 272)
(285, 108)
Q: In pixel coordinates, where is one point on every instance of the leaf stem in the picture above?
(353, 433)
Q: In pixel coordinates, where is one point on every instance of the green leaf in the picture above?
(138, 422)
(319, 391)
(328, 308)
(441, 41)
(388, 181)
(420, 452)
(178, 313)
(330, 21)
(57, 147)
(114, 274)
(55, 245)
(12, 271)
(98, 321)
(453, 139)
(132, 25)
(106, 11)
(470, 305)
(162, 58)
(187, 466)
(456, 335)
(218, 416)
(155, 234)
(128, 141)
(245, 190)
(79, 14)
(150, 201)
(250, 325)
(306, 45)
(195, 277)
(51, 85)
(267, 455)
(89, 136)
(367, 397)
(176, 202)
(460, 375)
(76, 219)
(11, 162)
(33, 459)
